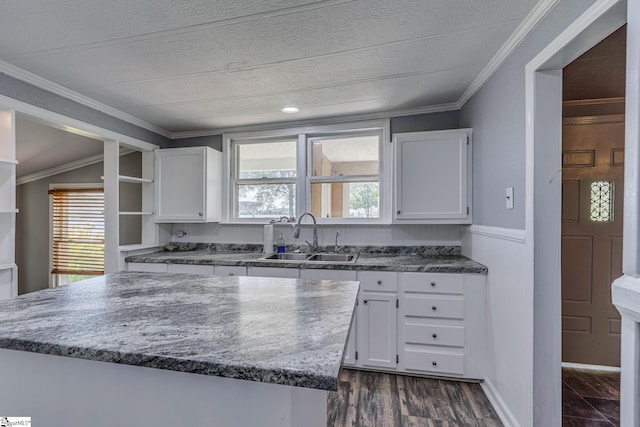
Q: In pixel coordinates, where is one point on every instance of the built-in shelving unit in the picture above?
(8, 211)
(121, 214)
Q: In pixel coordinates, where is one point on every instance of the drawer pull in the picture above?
(434, 363)
(434, 335)
(434, 308)
(379, 282)
(433, 284)
(231, 274)
(365, 301)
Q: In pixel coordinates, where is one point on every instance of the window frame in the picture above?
(304, 134)
(61, 279)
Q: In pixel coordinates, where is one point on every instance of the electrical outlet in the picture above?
(180, 233)
(508, 198)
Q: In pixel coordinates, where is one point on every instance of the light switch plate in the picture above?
(509, 198)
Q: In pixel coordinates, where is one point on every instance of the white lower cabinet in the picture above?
(421, 323)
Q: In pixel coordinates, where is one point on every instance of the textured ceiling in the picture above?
(201, 64)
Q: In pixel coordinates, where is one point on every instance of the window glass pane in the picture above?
(265, 200)
(345, 156)
(266, 160)
(602, 201)
(346, 200)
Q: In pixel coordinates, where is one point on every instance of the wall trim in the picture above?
(512, 234)
(66, 167)
(48, 85)
(590, 367)
(498, 404)
(518, 36)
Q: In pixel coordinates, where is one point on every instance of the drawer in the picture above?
(188, 268)
(230, 270)
(448, 307)
(452, 336)
(147, 267)
(435, 362)
(433, 283)
(383, 281)
(320, 274)
(291, 273)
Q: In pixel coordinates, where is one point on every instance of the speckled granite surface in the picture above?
(280, 331)
(378, 261)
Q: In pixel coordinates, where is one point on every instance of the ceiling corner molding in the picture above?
(42, 83)
(526, 26)
(66, 167)
(439, 108)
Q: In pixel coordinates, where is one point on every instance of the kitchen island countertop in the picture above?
(280, 331)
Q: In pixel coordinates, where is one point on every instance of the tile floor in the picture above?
(590, 398)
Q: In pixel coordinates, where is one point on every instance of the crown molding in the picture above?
(42, 83)
(526, 26)
(76, 164)
(439, 108)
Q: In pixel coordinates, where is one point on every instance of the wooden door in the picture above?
(592, 207)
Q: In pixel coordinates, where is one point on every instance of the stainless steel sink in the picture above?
(287, 257)
(333, 258)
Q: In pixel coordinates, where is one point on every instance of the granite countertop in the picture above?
(280, 331)
(432, 261)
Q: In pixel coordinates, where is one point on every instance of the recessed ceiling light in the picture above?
(290, 109)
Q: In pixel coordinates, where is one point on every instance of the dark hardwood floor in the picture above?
(374, 399)
(590, 398)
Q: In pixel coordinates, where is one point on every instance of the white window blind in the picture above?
(78, 231)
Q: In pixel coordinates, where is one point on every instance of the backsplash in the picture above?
(360, 235)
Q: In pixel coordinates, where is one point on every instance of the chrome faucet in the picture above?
(335, 247)
(296, 232)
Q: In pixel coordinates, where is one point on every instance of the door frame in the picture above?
(543, 189)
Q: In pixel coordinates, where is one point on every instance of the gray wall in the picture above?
(32, 224)
(413, 123)
(497, 115)
(25, 92)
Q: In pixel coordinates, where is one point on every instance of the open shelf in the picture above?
(133, 179)
(8, 161)
(135, 213)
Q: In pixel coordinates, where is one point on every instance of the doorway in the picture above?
(593, 126)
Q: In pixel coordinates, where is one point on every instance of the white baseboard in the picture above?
(499, 405)
(590, 367)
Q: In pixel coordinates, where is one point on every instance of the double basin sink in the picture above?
(318, 257)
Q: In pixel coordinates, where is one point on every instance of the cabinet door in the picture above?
(292, 273)
(180, 185)
(377, 329)
(432, 177)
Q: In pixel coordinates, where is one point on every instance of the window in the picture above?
(265, 178)
(77, 233)
(335, 172)
(344, 176)
(601, 201)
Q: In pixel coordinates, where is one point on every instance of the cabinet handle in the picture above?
(434, 335)
(434, 363)
(379, 282)
(398, 212)
(199, 213)
(365, 301)
(434, 308)
(231, 274)
(433, 284)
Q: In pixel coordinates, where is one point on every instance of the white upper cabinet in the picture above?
(188, 185)
(432, 179)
